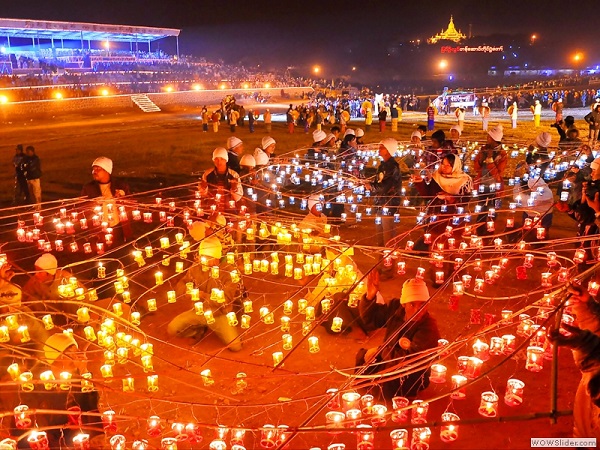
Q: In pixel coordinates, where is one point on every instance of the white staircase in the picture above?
(144, 103)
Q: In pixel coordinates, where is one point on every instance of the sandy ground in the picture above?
(155, 151)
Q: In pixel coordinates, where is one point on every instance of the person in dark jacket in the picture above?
(32, 168)
(235, 147)
(106, 188)
(409, 330)
(21, 189)
(386, 189)
(220, 184)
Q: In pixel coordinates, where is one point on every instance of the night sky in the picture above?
(326, 32)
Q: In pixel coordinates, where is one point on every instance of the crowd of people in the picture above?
(432, 169)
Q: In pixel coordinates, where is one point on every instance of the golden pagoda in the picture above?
(451, 34)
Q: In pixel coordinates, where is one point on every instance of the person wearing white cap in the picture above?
(348, 147)
(221, 183)
(315, 219)
(538, 152)
(268, 146)
(386, 187)
(107, 188)
(235, 147)
(484, 111)
(191, 325)
(490, 165)
(455, 132)
(409, 330)
(359, 135)
(536, 194)
(513, 112)
(536, 110)
(318, 145)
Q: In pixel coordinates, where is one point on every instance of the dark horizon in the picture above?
(336, 35)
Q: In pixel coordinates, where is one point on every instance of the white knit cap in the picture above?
(47, 262)
(416, 133)
(260, 157)
(211, 247)
(233, 142)
(595, 164)
(266, 141)
(349, 131)
(329, 137)
(457, 128)
(414, 290)
(496, 133)
(104, 163)
(220, 152)
(543, 139)
(248, 161)
(359, 132)
(319, 135)
(390, 144)
(57, 344)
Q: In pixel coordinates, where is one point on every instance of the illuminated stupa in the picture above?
(450, 34)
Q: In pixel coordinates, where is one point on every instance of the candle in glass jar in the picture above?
(488, 406)
(313, 344)
(449, 432)
(438, 373)
(514, 392)
(277, 358)
(419, 411)
(459, 392)
(481, 350)
(535, 359)
(420, 438)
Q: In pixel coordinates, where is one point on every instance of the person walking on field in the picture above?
(32, 167)
(382, 118)
(234, 116)
(267, 120)
(593, 120)
(513, 111)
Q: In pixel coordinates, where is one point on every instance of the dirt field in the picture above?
(154, 151)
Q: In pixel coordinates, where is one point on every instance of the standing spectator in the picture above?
(251, 121)
(234, 117)
(106, 188)
(216, 118)
(267, 120)
(394, 116)
(593, 120)
(382, 116)
(32, 168)
(513, 112)
(536, 109)
(204, 118)
(289, 118)
(431, 117)
(484, 111)
(557, 107)
(21, 189)
(241, 115)
(460, 117)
